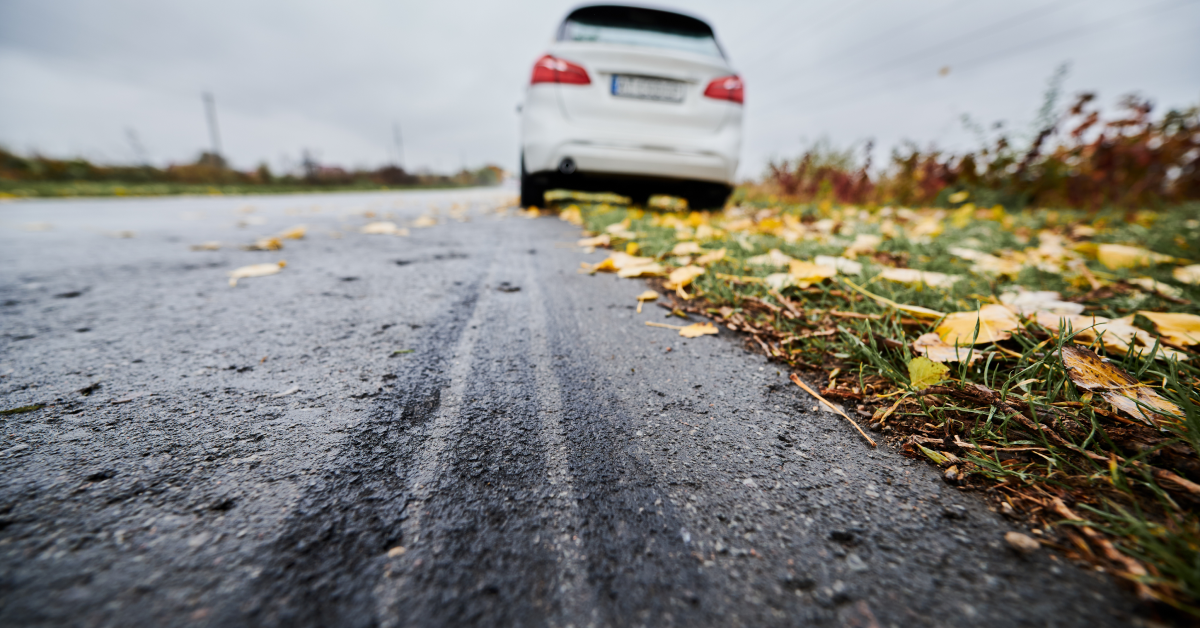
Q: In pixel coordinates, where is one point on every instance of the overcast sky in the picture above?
(76, 76)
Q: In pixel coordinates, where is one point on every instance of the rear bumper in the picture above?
(548, 137)
(647, 162)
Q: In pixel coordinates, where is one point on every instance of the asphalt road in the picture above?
(451, 428)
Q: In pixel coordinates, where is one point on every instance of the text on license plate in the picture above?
(647, 88)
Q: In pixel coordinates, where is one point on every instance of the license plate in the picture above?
(647, 88)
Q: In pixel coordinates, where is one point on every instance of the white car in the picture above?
(632, 100)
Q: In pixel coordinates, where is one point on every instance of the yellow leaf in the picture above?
(295, 233)
(911, 277)
(710, 257)
(923, 373)
(632, 248)
(1116, 256)
(653, 269)
(429, 221)
(807, 273)
(698, 329)
(1093, 373)
(933, 347)
(1187, 274)
(572, 215)
(1181, 329)
(994, 321)
(985, 263)
(265, 244)
(958, 197)
(681, 277)
(254, 270)
(648, 295)
(601, 240)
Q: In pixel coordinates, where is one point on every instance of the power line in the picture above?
(1019, 48)
(884, 37)
(1015, 20)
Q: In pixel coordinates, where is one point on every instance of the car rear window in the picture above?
(634, 26)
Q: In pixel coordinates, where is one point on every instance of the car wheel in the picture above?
(533, 194)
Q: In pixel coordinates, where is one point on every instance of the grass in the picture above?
(1095, 484)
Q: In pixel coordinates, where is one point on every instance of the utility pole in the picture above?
(399, 145)
(214, 133)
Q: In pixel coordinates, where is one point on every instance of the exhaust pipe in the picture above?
(566, 166)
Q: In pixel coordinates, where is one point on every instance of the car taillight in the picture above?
(554, 70)
(726, 88)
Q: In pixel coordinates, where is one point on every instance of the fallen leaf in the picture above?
(687, 248)
(295, 233)
(1187, 274)
(265, 244)
(710, 257)
(1157, 287)
(994, 321)
(807, 273)
(207, 246)
(429, 221)
(864, 244)
(843, 265)
(601, 240)
(1028, 303)
(923, 373)
(696, 330)
(1116, 256)
(1180, 329)
(653, 269)
(987, 264)
(937, 457)
(774, 257)
(933, 347)
(648, 295)
(383, 228)
(958, 197)
(1093, 373)
(572, 215)
(911, 276)
(681, 277)
(254, 270)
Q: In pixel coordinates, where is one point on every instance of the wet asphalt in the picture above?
(451, 428)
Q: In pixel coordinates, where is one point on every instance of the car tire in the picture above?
(533, 194)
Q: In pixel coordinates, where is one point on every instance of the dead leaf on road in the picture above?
(648, 295)
(254, 270)
(696, 330)
(295, 233)
(265, 244)
(601, 240)
(383, 227)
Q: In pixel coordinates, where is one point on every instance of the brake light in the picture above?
(726, 88)
(554, 70)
